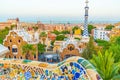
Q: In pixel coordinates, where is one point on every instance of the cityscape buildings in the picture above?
(101, 33)
(59, 51)
(16, 39)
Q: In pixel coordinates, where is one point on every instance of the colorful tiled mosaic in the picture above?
(74, 68)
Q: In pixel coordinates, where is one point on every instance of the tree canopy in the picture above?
(56, 32)
(60, 37)
(12, 26)
(109, 27)
(65, 32)
(103, 43)
(28, 48)
(77, 38)
(115, 48)
(41, 48)
(89, 50)
(61, 32)
(75, 28)
(3, 34)
(90, 27)
(43, 34)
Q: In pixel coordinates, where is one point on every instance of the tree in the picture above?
(1, 41)
(104, 44)
(3, 34)
(115, 48)
(43, 34)
(52, 42)
(41, 48)
(89, 50)
(106, 66)
(75, 28)
(56, 32)
(35, 28)
(60, 37)
(65, 32)
(109, 27)
(12, 26)
(90, 27)
(77, 38)
(27, 49)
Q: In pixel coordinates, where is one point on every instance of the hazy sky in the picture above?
(98, 8)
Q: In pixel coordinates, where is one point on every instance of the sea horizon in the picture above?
(62, 20)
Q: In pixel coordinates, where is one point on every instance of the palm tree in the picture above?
(27, 49)
(41, 48)
(106, 66)
(43, 35)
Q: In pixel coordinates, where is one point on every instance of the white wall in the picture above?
(101, 33)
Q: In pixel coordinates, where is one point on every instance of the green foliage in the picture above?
(35, 28)
(115, 48)
(65, 32)
(3, 34)
(77, 38)
(28, 48)
(6, 28)
(52, 42)
(1, 41)
(89, 50)
(60, 37)
(56, 32)
(109, 27)
(117, 40)
(43, 34)
(81, 31)
(103, 43)
(62, 32)
(12, 26)
(41, 48)
(106, 66)
(75, 28)
(90, 27)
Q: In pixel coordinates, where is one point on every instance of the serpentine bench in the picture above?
(74, 68)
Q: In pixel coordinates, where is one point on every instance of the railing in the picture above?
(74, 68)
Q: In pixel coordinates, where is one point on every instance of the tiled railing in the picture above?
(74, 68)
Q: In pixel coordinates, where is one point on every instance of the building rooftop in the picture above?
(29, 38)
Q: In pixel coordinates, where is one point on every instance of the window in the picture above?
(34, 56)
(14, 49)
(21, 57)
(71, 48)
(10, 40)
(9, 47)
(15, 57)
(19, 41)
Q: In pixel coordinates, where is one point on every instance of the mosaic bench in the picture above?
(74, 68)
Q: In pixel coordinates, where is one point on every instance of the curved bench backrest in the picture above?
(74, 68)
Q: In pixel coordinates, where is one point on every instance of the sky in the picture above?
(104, 9)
